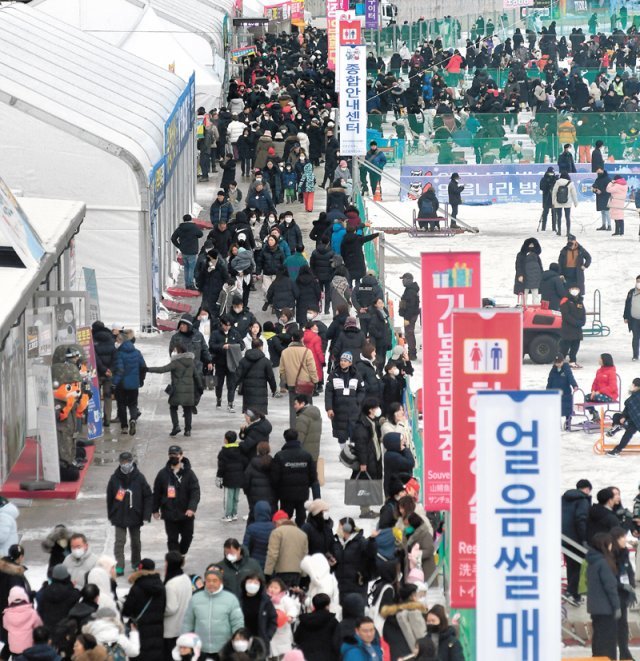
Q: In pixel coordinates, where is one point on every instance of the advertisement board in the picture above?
(518, 481)
(40, 378)
(179, 126)
(449, 280)
(333, 7)
(487, 355)
(90, 376)
(353, 101)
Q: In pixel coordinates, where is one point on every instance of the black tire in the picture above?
(543, 348)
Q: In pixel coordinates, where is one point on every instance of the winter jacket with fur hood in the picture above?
(322, 581)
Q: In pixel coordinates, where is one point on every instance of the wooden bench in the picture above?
(444, 229)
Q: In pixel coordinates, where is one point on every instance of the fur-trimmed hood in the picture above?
(142, 572)
(58, 533)
(7, 566)
(394, 609)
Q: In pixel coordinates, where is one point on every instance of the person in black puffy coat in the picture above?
(290, 232)
(379, 331)
(552, 287)
(368, 450)
(292, 474)
(211, 274)
(367, 371)
(129, 505)
(57, 598)
(104, 345)
(321, 263)
(353, 554)
(253, 376)
(145, 604)
(315, 629)
(255, 431)
(343, 396)
(351, 339)
(283, 292)
(398, 459)
(318, 527)
(256, 536)
(176, 494)
(308, 296)
(257, 480)
(352, 251)
(230, 475)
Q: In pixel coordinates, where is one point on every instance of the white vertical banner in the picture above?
(353, 101)
(46, 417)
(518, 533)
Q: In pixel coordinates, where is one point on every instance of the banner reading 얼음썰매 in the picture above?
(333, 6)
(487, 355)
(449, 280)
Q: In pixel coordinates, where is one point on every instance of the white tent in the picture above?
(81, 119)
(136, 27)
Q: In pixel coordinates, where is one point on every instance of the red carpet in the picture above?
(181, 292)
(25, 469)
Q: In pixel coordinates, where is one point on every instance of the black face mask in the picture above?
(433, 628)
(174, 461)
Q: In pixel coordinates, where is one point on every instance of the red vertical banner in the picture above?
(487, 355)
(333, 7)
(449, 280)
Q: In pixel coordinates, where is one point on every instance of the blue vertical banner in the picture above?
(179, 126)
(518, 540)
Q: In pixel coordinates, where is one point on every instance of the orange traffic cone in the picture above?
(377, 196)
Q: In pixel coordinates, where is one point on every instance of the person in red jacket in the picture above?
(605, 385)
(313, 342)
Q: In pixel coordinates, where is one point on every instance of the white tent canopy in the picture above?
(81, 119)
(164, 40)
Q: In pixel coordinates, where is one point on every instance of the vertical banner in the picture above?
(518, 542)
(449, 280)
(91, 287)
(371, 14)
(333, 6)
(65, 323)
(487, 355)
(297, 13)
(46, 421)
(353, 101)
(90, 377)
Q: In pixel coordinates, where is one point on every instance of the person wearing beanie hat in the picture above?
(185, 239)
(146, 603)
(129, 505)
(187, 648)
(552, 287)
(288, 545)
(546, 185)
(398, 459)
(211, 274)
(318, 527)
(454, 190)
(57, 598)
(351, 339)
(575, 513)
(343, 395)
(19, 619)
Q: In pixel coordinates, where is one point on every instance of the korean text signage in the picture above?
(487, 355)
(279, 12)
(371, 14)
(518, 479)
(449, 280)
(333, 6)
(353, 103)
(297, 13)
(179, 126)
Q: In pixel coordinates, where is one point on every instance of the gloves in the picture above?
(618, 614)
(219, 482)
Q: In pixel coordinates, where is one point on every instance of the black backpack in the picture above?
(562, 196)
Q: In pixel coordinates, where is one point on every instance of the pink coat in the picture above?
(618, 191)
(20, 621)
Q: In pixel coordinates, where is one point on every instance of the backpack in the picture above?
(373, 611)
(562, 196)
(115, 652)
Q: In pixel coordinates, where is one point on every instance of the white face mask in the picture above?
(237, 309)
(310, 316)
(252, 588)
(325, 516)
(63, 543)
(395, 371)
(231, 557)
(378, 412)
(574, 292)
(77, 553)
(240, 645)
(637, 285)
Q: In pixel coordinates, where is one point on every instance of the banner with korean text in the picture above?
(449, 280)
(333, 6)
(487, 355)
(353, 101)
(518, 481)
(371, 17)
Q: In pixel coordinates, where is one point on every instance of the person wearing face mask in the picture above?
(214, 614)
(318, 527)
(129, 505)
(573, 319)
(443, 636)
(561, 378)
(573, 261)
(211, 274)
(631, 317)
(236, 566)
(56, 544)
(245, 646)
(368, 450)
(393, 387)
(176, 494)
(187, 648)
(528, 271)
(628, 419)
(290, 232)
(80, 561)
(260, 616)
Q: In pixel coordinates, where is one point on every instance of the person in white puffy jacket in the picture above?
(107, 629)
(101, 575)
(178, 591)
(287, 610)
(317, 568)
(8, 526)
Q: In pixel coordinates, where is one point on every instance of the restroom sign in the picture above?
(486, 356)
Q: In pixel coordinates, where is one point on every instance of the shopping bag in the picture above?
(363, 491)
